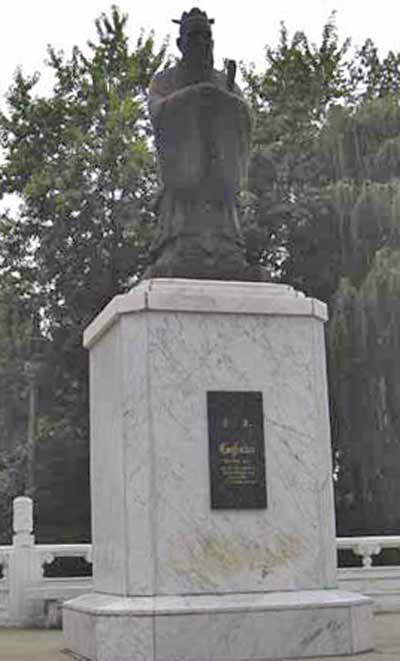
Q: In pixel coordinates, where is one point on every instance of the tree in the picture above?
(14, 342)
(81, 161)
(290, 101)
(321, 212)
(323, 215)
(363, 336)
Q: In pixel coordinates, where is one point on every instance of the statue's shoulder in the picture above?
(164, 81)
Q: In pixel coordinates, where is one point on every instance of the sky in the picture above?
(240, 32)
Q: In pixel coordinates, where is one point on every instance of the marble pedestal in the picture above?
(175, 579)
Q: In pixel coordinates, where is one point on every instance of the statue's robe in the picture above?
(202, 135)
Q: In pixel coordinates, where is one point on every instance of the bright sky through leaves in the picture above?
(241, 30)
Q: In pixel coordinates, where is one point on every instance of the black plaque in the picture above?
(237, 457)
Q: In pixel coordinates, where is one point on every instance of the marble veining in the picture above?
(215, 628)
(107, 461)
(174, 579)
(106, 604)
(205, 296)
(245, 636)
(123, 639)
(231, 550)
(155, 530)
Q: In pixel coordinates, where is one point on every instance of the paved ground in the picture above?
(40, 645)
(32, 645)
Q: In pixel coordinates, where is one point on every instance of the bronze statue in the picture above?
(202, 132)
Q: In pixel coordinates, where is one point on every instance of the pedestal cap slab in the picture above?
(181, 295)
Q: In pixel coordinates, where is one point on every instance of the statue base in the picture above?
(211, 478)
(199, 237)
(196, 258)
(231, 627)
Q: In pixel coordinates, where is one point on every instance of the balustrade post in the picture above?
(367, 549)
(23, 569)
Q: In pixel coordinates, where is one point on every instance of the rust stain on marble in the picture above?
(211, 555)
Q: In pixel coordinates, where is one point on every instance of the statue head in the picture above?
(195, 36)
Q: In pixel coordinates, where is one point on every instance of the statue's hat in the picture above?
(193, 20)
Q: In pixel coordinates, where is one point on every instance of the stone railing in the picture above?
(29, 598)
(368, 547)
(381, 582)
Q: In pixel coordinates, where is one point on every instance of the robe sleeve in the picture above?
(202, 134)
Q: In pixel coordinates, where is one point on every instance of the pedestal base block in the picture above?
(189, 379)
(230, 627)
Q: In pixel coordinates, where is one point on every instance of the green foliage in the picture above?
(352, 137)
(15, 325)
(291, 100)
(81, 161)
(363, 337)
(11, 485)
(363, 347)
(322, 213)
(373, 77)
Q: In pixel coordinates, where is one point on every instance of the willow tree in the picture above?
(363, 333)
(365, 378)
(359, 158)
(325, 205)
